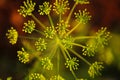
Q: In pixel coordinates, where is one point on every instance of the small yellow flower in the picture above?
(12, 35)
(23, 56)
(36, 76)
(58, 77)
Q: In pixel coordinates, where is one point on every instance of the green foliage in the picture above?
(29, 26)
(40, 44)
(61, 6)
(12, 35)
(45, 8)
(82, 1)
(27, 9)
(83, 16)
(95, 69)
(36, 76)
(72, 63)
(23, 56)
(46, 63)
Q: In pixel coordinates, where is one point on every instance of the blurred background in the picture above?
(105, 13)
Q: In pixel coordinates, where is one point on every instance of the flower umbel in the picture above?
(23, 56)
(83, 16)
(45, 8)
(102, 37)
(40, 44)
(12, 35)
(27, 9)
(29, 27)
(95, 69)
(61, 6)
(46, 63)
(36, 76)
(72, 63)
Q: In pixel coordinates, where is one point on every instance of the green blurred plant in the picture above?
(58, 39)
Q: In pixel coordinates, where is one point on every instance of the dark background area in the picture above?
(105, 13)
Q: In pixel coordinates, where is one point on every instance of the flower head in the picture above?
(60, 6)
(83, 16)
(95, 69)
(49, 32)
(67, 42)
(45, 8)
(89, 50)
(58, 77)
(40, 44)
(102, 37)
(46, 63)
(62, 27)
(12, 35)
(27, 9)
(82, 1)
(23, 56)
(36, 76)
(29, 27)
(72, 63)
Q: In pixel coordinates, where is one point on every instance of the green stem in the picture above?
(73, 74)
(84, 37)
(58, 62)
(80, 45)
(70, 14)
(72, 29)
(60, 17)
(24, 37)
(38, 21)
(79, 56)
(39, 31)
(51, 21)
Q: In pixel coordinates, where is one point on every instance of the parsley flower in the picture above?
(12, 35)
(27, 9)
(36, 76)
(23, 56)
(29, 26)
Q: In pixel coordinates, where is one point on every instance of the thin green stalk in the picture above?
(79, 56)
(60, 17)
(24, 37)
(84, 37)
(73, 74)
(62, 49)
(38, 21)
(72, 29)
(51, 21)
(70, 14)
(39, 31)
(58, 62)
(80, 45)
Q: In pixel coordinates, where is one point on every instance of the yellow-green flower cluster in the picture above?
(23, 56)
(27, 9)
(12, 35)
(62, 27)
(61, 6)
(36, 76)
(82, 16)
(95, 69)
(72, 63)
(82, 1)
(102, 37)
(46, 63)
(45, 8)
(29, 26)
(58, 77)
(68, 42)
(40, 44)
(89, 50)
(49, 32)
